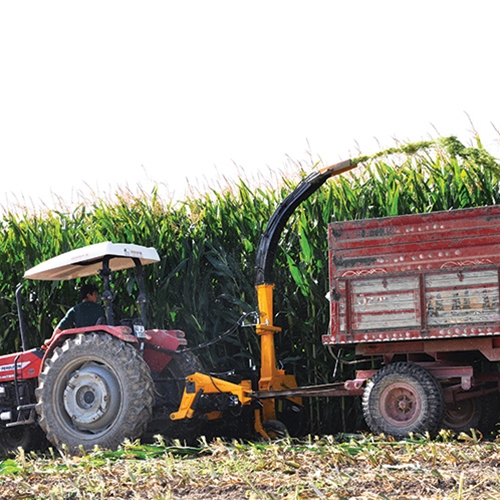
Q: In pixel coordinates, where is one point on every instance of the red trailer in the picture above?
(420, 293)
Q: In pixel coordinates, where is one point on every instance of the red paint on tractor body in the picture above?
(164, 340)
(24, 365)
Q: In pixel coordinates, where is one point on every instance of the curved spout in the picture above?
(270, 237)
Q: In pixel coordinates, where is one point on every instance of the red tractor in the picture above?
(102, 384)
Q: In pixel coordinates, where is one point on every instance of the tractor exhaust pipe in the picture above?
(22, 321)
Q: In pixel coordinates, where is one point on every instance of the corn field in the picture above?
(341, 467)
(207, 244)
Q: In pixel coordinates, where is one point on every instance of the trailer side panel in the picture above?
(426, 276)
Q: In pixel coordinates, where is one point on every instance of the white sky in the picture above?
(102, 92)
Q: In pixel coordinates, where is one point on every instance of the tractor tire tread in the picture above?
(135, 378)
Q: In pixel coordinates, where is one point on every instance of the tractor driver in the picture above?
(86, 313)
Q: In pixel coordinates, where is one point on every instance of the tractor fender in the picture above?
(122, 332)
(160, 345)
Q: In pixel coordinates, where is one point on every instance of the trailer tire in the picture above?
(479, 413)
(94, 390)
(402, 399)
(490, 415)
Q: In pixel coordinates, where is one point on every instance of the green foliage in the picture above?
(208, 246)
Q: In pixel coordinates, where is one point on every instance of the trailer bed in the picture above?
(426, 276)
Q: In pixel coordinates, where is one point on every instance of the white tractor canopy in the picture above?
(88, 261)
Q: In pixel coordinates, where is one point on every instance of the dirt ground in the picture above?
(468, 482)
(352, 470)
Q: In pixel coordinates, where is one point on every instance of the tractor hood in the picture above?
(88, 261)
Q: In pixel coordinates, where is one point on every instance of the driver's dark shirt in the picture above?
(83, 314)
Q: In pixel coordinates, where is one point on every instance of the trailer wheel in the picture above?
(403, 398)
(490, 415)
(476, 413)
(464, 415)
(95, 390)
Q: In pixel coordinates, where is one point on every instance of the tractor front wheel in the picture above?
(95, 390)
(27, 437)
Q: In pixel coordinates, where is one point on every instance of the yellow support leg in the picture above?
(271, 378)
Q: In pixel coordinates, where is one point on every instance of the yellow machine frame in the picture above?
(271, 378)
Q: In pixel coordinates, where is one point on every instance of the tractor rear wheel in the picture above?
(401, 399)
(95, 390)
(174, 376)
(169, 389)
